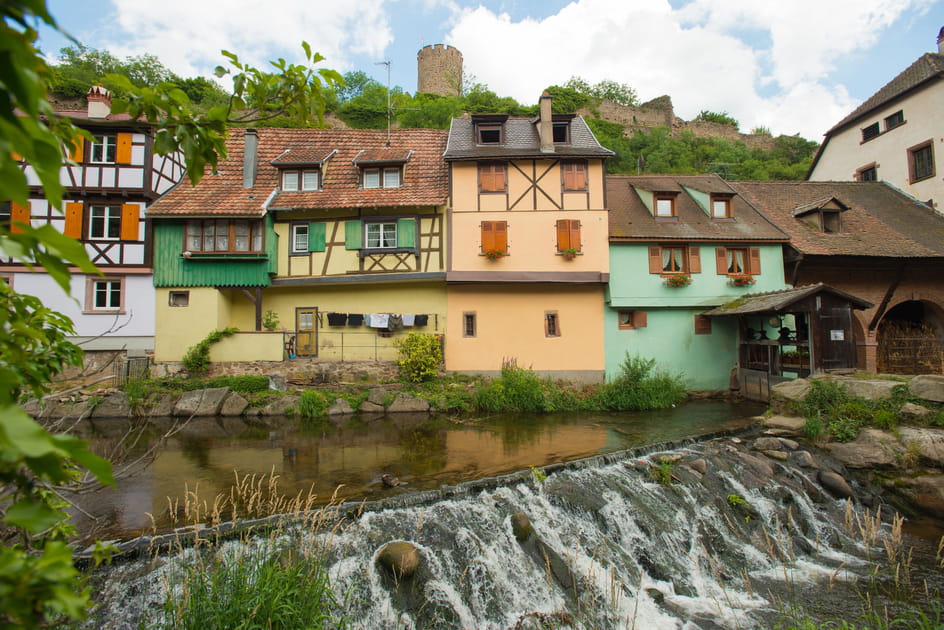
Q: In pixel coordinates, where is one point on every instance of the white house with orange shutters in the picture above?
(109, 182)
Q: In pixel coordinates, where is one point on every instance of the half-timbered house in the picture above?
(312, 242)
(109, 181)
(528, 259)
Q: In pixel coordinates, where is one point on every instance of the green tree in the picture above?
(722, 118)
(607, 89)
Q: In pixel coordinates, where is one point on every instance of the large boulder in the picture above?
(925, 494)
(788, 395)
(234, 405)
(910, 412)
(281, 406)
(407, 404)
(929, 443)
(201, 402)
(400, 558)
(793, 424)
(835, 484)
(521, 526)
(870, 390)
(340, 407)
(928, 387)
(871, 449)
(114, 405)
(163, 406)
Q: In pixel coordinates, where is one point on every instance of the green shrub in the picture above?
(517, 389)
(843, 429)
(197, 358)
(312, 404)
(885, 419)
(420, 356)
(937, 418)
(640, 386)
(856, 410)
(823, 398)
(813, 427)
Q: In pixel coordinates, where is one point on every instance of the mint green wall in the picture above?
(669, 336)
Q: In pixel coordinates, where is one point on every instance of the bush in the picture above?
(517, 389)
(885, 419)
(312, 404)
(823, 398)
(843, 429)
(813, 427)
(640, 386)
(197, 358)
(420, 356)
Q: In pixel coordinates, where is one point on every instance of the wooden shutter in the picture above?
(655, 260)
(753, 263)
(694, 259)
(353, 234)
(74, 219)
(130, 218)
(568, 234)
(123, 152)
(492, 177)
(317, 231)
(20, 214)
(495, 236)
(575, 175)
(406, 233)
(721, 261)
(639, 319)
(77, 150)
(702, 325)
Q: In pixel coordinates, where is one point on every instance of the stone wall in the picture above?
(298, 371)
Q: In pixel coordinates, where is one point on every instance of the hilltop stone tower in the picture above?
(439, 70)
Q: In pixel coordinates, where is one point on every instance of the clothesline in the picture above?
(386, 321)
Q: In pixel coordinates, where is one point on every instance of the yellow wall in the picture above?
(178, 328)
(520, 196)
(249, 346)
(510, 323)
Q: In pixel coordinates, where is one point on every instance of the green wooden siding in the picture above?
(171, 269)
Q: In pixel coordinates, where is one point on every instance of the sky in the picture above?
(792, 66)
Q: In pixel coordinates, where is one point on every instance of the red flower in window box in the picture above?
(741, 280)
(678, 280)
(494, 254)
(569, 253)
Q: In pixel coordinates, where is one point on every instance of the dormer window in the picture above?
(823, 214)
(488, 133)
(664, 205)
(381, 177)
(308, 179)
(831, 221)
(561, 132)
(721, 207)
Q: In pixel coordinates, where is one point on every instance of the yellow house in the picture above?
(528, 256)
(313, 243)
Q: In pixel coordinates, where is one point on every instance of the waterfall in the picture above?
(613, 546)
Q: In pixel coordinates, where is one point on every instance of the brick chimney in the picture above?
(250, 158)
(546, 124)
(99, 102)
(940, 41)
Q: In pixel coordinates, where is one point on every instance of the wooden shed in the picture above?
(792, 333)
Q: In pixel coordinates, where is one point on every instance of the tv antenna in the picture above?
(389, 110)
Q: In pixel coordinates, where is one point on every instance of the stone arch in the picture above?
(911, 337)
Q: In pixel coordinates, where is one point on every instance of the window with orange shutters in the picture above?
(18, 214)
(574, 174)
(492, 177)
(495, 236)
(568, 235)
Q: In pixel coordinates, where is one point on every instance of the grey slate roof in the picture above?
(780, 301)
(630, 219)
(520, 140)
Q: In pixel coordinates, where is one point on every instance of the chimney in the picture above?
(940, 41)
(99, 102)
(250, 146)
(546, 124)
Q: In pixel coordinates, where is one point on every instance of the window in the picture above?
(551, 324)
(832, 221)
(311, 180)
(495, 237)
(720, 207)
(574, 174)
(299, 238)
(468, 324)
(665, 206)
(105, 222)
(301, 180)
(630, 320)
(290, 180)
(488, 133)
(736, 261)
(380, 235)
(104, 149)
(381, 177)
(7, 277)
(178, 299)
(921, 161)
(104, 295)
(6, 212)
(568, 235)
(561, 132)
(896, 119)
(702, 325)
(223, 236)
(492, 177)
(870, 132)
(673, 259)
(868, 173)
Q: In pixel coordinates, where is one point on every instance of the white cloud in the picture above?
(187, 35)
(764, 62)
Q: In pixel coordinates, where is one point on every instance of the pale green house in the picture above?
(679, 246)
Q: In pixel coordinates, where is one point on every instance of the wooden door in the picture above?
(306, 331)
(837, 338)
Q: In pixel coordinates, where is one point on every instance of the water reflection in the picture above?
(422, 452)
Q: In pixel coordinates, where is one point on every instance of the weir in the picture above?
(638, 539)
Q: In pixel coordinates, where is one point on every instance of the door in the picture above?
(838, 338)
(306, 332)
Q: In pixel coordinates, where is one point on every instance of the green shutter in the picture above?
(316, 237)
(406, 232)
(353, 235)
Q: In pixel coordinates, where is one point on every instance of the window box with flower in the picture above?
(569, 253)
(678, 280)
(741, 280)
(494, 254)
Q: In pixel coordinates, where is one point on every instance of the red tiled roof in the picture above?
(880, 220)
(303, 154)
(425, 177)
(382, 155)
